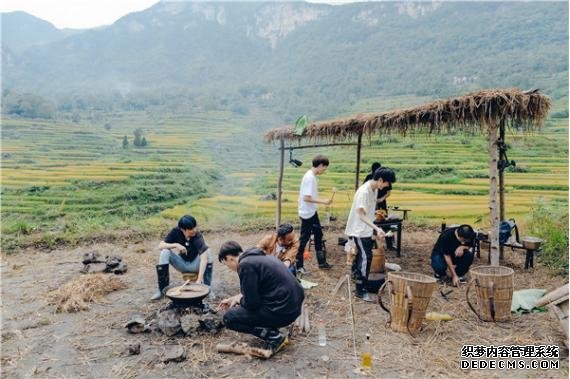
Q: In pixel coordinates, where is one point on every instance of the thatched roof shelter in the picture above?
(475, 113)
(486, 112)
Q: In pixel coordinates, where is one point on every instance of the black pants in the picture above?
(241, 320)
(462, 264)
(308, 226)
(362, 262)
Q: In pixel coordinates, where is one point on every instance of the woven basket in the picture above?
(494, 289)
(410, 295)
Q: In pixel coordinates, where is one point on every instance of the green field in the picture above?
(65, 182)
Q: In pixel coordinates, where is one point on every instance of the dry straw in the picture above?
(475, 112)
(76, 294)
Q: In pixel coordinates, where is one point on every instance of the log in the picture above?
(244, 349)
(553, 295)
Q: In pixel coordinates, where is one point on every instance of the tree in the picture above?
(107, 126)
(125, 142)
(143, 142)
(75, 117)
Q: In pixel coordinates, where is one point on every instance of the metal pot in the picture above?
(531, 243)
(189, 295)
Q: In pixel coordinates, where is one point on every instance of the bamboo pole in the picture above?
(501, 187)
(493, 206)
(358, 147)
(280, 183)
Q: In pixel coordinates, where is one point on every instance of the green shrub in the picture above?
(549, 221)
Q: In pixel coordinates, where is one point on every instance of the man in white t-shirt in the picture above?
(308, 200)
(360, 225)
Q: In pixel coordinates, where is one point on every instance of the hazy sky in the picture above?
(87, 13)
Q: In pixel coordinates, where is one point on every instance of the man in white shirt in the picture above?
(308, 200)
(360, 225)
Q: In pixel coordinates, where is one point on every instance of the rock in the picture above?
(120, 269)
(190, 324)
(169, 322)
(212, 324)
(134, 348)
(91, 257)
(113, 262)
(137, 324)
(174, 353)
(94, 268)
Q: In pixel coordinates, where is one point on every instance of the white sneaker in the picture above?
(302, 271)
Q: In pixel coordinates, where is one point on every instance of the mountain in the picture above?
(21, 31)
(302, 56)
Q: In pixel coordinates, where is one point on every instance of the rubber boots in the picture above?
(322, 260)
(208, 274)
(163, 281)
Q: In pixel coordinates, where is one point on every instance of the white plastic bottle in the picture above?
(322, 333)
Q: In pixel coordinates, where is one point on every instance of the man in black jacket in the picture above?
(270, 296)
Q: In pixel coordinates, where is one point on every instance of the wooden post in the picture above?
(501, 187)
(280, 182)
(358, 147)
(493, 198)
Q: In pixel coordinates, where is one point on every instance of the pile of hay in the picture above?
(75, 295)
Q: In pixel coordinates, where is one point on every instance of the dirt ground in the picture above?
(37, 342)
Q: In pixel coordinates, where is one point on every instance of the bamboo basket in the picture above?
(410, 295)
(494, 289)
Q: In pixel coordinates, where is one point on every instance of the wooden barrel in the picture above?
(409, 298)
(378, 260)
(494, 289)
(374, 282)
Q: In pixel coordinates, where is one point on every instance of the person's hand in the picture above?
(380, 233)
(200, 281)
(459, 251)
(455, 280)
(224, 304)
(327, 202)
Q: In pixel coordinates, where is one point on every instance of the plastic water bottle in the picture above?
(443, 225)
(322, 333)
(366, 359)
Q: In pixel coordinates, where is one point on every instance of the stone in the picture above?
(174, 353)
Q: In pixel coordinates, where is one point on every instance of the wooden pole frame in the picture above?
(493, 195)
(358, 148)
(280, 183)
(501, 186)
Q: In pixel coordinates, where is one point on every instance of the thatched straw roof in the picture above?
(475, 112)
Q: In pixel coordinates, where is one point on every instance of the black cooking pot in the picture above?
(188, 295)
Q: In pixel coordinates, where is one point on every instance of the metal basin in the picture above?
(531, 243)
(185, 296)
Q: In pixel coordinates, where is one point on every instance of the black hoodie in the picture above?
(267, 284)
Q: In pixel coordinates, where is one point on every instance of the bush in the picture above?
(550, 222)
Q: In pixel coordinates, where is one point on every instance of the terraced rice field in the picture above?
(63, 182)
(438, 176)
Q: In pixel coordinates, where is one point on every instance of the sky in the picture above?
(79, 14)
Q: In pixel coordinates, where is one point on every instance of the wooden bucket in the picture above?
(378, 260)
(410, 295)
(494, 288)
(191, 276)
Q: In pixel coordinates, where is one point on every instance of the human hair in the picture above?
(386, 174)
(229, 248)
(320, 160)
(467, 232)
(187, 222)
(284, 229)
(375, 166)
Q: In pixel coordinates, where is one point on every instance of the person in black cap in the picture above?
(452, 253)
(183, 248)
(270, 297)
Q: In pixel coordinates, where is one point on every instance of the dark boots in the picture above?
(274, 340)
(322, 259)
(208, 274)
(163, 281)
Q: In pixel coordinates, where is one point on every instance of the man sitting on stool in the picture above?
(270, 297)
(452, 252)
(193, 254)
